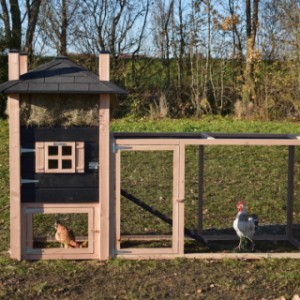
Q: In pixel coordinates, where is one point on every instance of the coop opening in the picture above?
(60, 230)
(147, 184)
(264, 177)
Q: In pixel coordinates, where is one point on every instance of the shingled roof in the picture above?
(60, 76)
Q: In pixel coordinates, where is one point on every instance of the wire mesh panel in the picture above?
(257, 175)
(147, 198)
(296, 204)
(75, 229)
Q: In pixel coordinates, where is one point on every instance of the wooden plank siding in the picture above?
(60, 188)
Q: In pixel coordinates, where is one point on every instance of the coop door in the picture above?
(147, 192)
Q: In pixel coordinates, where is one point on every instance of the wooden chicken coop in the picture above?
(64, 163)
(58, 170)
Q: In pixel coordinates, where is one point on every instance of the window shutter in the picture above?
(39, 157)
(79, 157)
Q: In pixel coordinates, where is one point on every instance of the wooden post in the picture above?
(104, 69)
(200, 189)
(104, 161)
(181, 197)
(113, 222)
(289, 229)
(14, 159)
(15, 177)
(13, 65)
(23, 63)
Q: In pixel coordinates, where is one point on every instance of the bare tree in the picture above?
(33, 8)
(56, 22)
(248, 95)
(12, 24)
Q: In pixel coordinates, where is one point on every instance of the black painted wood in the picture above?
(59, 195)
(60, 188)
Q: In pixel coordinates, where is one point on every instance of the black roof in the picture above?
(60, 76)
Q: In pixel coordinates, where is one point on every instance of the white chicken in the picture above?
(245, 225)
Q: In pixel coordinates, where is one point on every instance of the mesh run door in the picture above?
(147, 193)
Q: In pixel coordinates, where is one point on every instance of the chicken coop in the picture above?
(134, 195)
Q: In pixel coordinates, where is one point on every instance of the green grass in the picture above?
(231, 174)
(255, 174)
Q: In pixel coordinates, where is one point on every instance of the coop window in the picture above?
(59, 157)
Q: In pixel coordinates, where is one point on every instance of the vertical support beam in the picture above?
(13, 65)
(181, 195)
(104, 162)
(15, 176)
(200, 189)
(112, 212)
(118, 199)
(290, 204)
(104, 175)
(104, 67)
(23, 63)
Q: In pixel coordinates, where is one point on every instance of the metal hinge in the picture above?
(116, 148)
(25, 150)
(24, 181)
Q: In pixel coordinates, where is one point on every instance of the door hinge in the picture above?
(26, 150)
(116, 148)
(24, 181)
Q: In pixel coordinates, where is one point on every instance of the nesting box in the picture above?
(59, 157)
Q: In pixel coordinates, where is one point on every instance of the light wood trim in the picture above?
(181, 197)
(104, 66)
(118, 200)
(216, 256)
(150, 147)
(13, 66)
(113, 220)
(104, 171)
(66, 256)
(145, 251)
(15, 176)
(92, 251)
(96, 231)
(176, 202)
(212, 142)
(57, 251)
(145, 237)
(143, 142)
(23, 63)
(39, 157)
(79, 159)
(53, 206)
(200, 189)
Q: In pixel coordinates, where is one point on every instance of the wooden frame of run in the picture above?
(31, 253)
(140, 141)
(177, 204)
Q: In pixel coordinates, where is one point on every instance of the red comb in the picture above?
(240, 205)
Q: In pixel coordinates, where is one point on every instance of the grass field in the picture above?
(232, 174)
